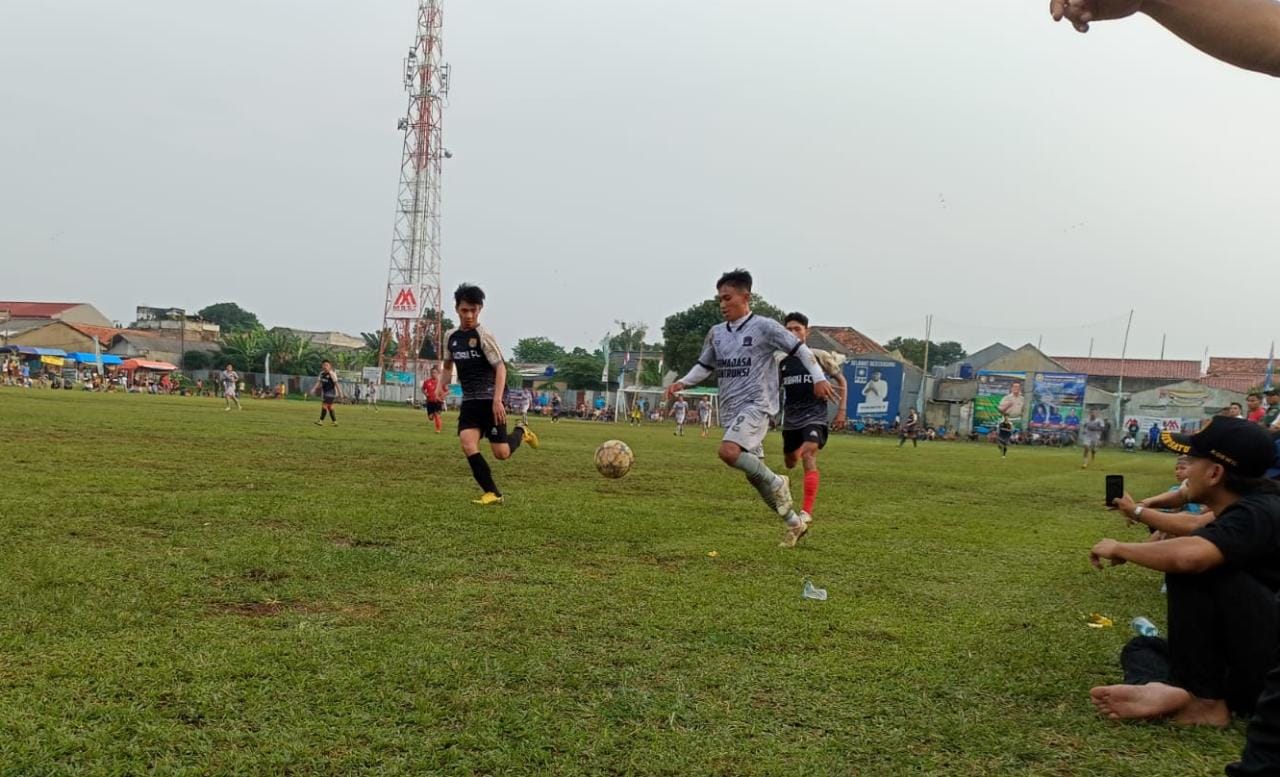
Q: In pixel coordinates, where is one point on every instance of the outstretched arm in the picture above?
(1244, 33)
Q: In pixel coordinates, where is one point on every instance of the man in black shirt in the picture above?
(804, 415)
(1222, 581)
(482, 372)
(328, 389)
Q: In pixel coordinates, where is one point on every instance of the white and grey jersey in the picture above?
(742, 357)
(1092, 429)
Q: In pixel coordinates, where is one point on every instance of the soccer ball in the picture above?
(613, 458)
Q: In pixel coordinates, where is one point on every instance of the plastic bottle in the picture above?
(1143, 627)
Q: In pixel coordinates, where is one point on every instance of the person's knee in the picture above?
(810, 457)
(729, 453)
(501, 452)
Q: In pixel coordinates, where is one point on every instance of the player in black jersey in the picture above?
(483, 374)
(804, 415)
(328, 389)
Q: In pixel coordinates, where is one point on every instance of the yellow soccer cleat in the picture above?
(530, 438)
(489, 498)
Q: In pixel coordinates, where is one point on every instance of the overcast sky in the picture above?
(869, 163)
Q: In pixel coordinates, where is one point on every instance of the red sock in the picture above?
(810, 490)
(437, 420)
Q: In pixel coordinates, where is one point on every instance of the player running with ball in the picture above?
(741, 354)
(482, 372)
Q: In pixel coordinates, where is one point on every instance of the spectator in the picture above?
(1234, 410)
(1254, 411)
(1222, 580)
(1272, 414)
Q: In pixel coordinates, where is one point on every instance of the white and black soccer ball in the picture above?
(614, 458)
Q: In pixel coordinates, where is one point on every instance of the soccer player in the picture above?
(555, 408)
(1091, 437)
(1004, 432)
(229, 380)
(704, 415)
(741, 354)
(482, 372)
(679, 409)
(371, 395)
(430, 392)
(804, 415)
(910, 429)
(328, 389)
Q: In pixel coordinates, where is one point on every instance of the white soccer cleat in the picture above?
(782, 496)
(793, 535)
(804, 516)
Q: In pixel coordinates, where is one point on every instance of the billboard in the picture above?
(1057, 401)
(999, 394)
(405, 302)
(875, 388)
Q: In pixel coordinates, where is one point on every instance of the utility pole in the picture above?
(1124, 350)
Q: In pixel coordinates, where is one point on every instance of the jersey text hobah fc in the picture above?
(800, 406)
(476, 355)
(742, 356)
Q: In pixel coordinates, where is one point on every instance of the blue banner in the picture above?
(1057, 401)
(875, 388)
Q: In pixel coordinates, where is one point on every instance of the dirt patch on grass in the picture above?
(264, 576)
(360, 611)
(346, 541)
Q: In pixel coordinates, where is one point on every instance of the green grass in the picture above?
(188, 591)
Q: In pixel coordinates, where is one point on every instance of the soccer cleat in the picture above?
(782, 496)
(793, 535)
(804, 516)
(530, 438)
(489, 498)
(319, 423)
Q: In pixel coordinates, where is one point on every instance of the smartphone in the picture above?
(1115, 488)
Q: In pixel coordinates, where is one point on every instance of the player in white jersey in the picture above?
(1091, 437)
(741, 353)
(229, 380)
(679, 410)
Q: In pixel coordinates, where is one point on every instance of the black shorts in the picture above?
(328, 399)
(434, 408)
(478, 414)
(792, 439)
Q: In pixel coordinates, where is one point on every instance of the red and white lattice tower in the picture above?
(412, 314)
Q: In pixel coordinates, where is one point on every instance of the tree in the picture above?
(537, 350)
(912, 349)
(196, 360)
(684, 332)
(630, 337)
(581, 370)
(230, 317)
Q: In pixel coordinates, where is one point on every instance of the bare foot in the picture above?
(1204, 712)
(1128, 702)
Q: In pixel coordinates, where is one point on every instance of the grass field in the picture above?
(188, 591)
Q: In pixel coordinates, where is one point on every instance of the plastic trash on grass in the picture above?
(1097, 621)
(810, 592)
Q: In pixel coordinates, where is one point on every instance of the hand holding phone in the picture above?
(1115, 489)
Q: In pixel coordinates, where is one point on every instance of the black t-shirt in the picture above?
(476, 355)
(1248, 536)
(328, 384)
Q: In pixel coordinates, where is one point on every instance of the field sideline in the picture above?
(189, 591)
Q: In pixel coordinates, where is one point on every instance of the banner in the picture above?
(406, 302)
(875, 388)
(369, 374)
(403, 378)
(1162, 424)
(1057, 401)
(999, 394)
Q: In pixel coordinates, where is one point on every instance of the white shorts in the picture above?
(1090, 442)
(747, 430)
(680, 418)
(229, 392)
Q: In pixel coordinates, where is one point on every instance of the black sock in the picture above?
(322, 412)
(480, 471)
(332, 417)
(515, 438)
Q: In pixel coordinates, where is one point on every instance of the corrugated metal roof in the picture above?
(1173, 369)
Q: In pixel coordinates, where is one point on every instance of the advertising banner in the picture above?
(1057, 401)
(999, 394)
(369, 374)
(875, 388)
(406, 302)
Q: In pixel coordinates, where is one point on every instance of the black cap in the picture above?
(1239, 445)
(1271, 392)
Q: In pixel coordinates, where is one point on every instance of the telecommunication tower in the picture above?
(412, 313)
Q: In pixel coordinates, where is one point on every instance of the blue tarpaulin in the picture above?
(108, 359)
(32, 351)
